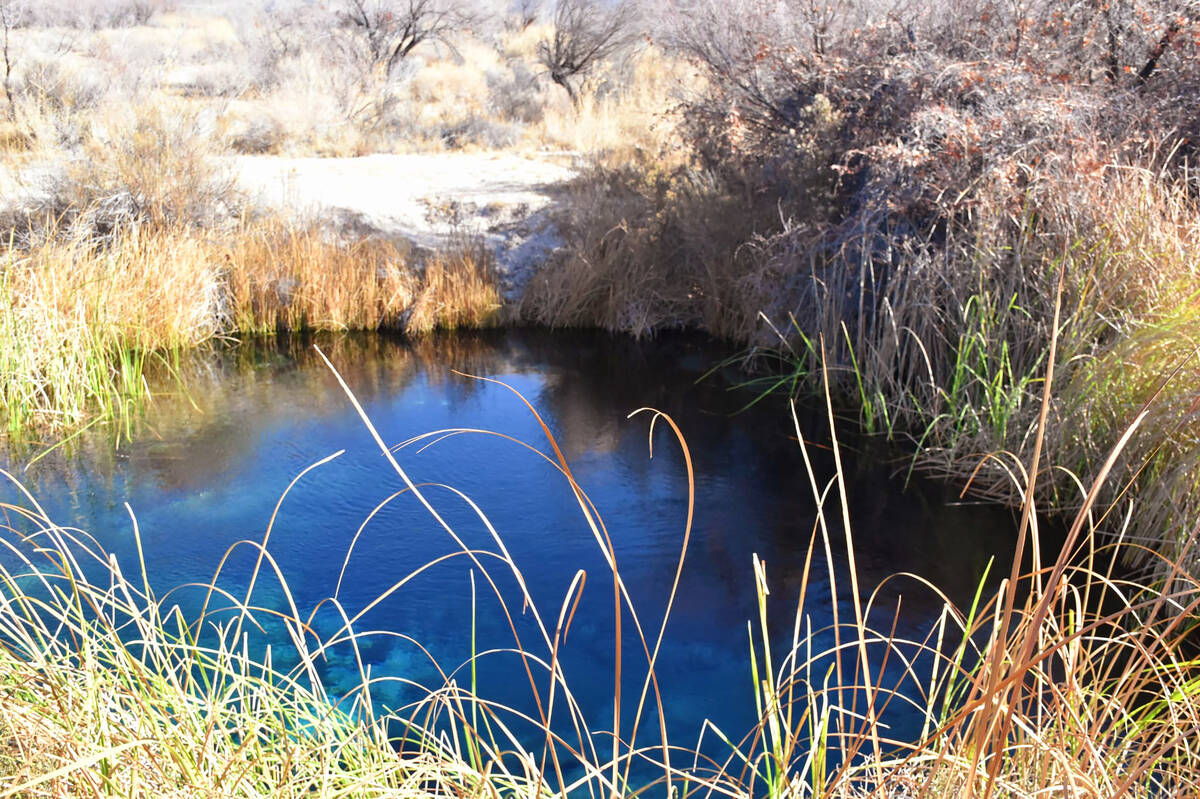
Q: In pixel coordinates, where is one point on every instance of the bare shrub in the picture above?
(873, 128)
(382, 33)
(480, 130)
(523, 13)
(652, 245)
(253, 134)
(57, 85)
(364, 48)
(279, 33)
(586, 33)
(92, 14)
(14, 138)
(154, 166)
(514, 94)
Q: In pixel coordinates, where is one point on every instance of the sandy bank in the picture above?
(428, 198)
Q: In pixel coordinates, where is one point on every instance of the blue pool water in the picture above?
(211, 461)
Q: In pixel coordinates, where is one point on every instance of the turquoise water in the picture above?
(210, 463)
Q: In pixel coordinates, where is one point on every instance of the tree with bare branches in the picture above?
(523, 13)
(389, 30)
(586, 32)
(11, 12)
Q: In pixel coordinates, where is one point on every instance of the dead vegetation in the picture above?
(344, 78)
(85, 313)
(899, 195)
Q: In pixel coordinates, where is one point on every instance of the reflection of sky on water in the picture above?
(207, 471)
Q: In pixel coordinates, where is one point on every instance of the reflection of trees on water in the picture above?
(210, 408)
(210, 405)
(753, 463)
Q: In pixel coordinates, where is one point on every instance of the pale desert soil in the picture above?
(429, 198)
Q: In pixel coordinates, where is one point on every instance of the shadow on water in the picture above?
(219, 447)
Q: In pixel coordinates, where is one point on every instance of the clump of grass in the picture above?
(83, 315)
(657, 243)
(153, 164)
(1067, 680)
(122, 699)
(298, 278)
(458, 289)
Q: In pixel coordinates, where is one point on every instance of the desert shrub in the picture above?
(217, 71)
(92, 14)
(13, 137)
(585, 34)
(514, 94)
(253, 133)
(366, 48)
(654, 244)
(59, 86)
(917, 115)
(380, 34)
(154, 165)
(147, 166)
(272, 33)
(481, 131)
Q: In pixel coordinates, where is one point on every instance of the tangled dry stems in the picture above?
(899, 198)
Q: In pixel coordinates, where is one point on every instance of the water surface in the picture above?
(209, 465)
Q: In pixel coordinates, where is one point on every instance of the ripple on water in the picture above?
(206, 472)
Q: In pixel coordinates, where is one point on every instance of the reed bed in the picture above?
(939, 338)
(1067, 680)
(280, 276)
(83, 314)
(458, 290)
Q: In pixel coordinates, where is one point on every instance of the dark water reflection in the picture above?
(208, 468)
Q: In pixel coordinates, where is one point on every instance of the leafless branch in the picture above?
(586, 32)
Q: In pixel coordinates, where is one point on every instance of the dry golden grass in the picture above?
(623, 109)
(485, 91)
(653, 243)
(14, 139)
(81, 314)
(279, 276)
(29, 746)
(458, 290)
(156, 162)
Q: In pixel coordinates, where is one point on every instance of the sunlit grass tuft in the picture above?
(298, 278)
(84, 314)
(458, 290)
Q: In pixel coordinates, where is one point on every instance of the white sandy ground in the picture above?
(429, 199)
